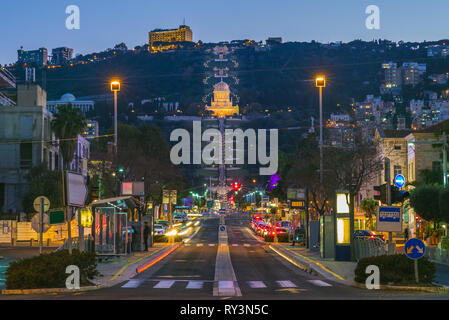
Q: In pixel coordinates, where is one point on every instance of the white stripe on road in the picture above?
(199, 244)
(246, 245)
(235, 244)
(211, 244)
(256, 284)
(132, 284)
(164, 284)
(187, 244)
(225, 284)
(320, 283)
(286, 284)
(195, 284)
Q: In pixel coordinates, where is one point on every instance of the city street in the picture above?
(190, 273)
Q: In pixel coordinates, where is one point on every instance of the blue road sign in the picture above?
(399, 180)
(390, 214)
(414, 248)
(222, 228)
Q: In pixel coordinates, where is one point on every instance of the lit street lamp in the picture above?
(115, 87)
(320, 83)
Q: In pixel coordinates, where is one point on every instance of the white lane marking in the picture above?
(132, 283)
(286, 284)
(256, 284)
(199, 244)
(246, 245)
(235, 244)
(187, 244)
(320, 283)
(195, 284)
(225, 284)
(164, 284)
(212, 244)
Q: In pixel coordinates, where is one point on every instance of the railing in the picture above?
(75, 244)
(368, 247)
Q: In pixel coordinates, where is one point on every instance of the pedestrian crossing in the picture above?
(216, 244)
(200, 284)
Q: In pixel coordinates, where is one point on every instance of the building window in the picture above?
(397, 170)
(397, 147)
(26, 127)
(436, 166)
(26, 155)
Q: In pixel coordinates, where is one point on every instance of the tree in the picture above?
(444, 204)
(369, 206)
(424, 200)
(67, 124)
(43, 182)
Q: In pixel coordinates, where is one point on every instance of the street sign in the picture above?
(222, 228)
(389, 219)
(265, 198)
(414, 248)
(299, 204)
(35, 223)
(76, 190)
(37, 204)
(169, 196)
(293, 194)
(57, 216)
(399, 180)
(136, 188)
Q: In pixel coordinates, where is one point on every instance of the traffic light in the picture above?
(377, 195)
(396, 194)
(236, 186)
(121, 170)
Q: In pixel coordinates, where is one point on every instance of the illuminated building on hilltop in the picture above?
(221, 104)
(170, 37)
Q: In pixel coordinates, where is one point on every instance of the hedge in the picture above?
(48, 270)
(396, 269)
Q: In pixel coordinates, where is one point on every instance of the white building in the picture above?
(83, 105)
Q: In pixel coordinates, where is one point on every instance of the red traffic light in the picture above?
(236, 186)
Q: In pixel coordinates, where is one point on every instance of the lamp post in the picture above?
(320, 82)
(115, 87)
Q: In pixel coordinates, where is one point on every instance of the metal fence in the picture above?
(437, 254)
(368, 247)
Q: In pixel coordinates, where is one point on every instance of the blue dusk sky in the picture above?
(104, 23)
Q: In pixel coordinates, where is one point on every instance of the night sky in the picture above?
(104, 23)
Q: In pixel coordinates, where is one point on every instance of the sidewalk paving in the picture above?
(338, 271)
(119, 269)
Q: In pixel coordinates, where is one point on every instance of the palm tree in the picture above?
(67, 124)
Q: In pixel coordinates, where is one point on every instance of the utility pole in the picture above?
(41, 225)
(388, 182)
(444, 159)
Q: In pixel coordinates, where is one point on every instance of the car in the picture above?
(368, 234)
(159, 229)
(263, 228)
(277, 230)
(284, 224)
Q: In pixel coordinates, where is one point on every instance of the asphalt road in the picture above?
(189, 274)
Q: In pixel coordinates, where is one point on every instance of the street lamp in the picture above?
(115, 87)
(320, 82)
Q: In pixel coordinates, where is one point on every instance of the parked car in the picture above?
(368, 234)
(263, 228)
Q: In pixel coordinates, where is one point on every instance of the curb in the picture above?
(51, 290)
(403, 288)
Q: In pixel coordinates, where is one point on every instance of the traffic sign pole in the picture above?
(41, 225)
(416, 271)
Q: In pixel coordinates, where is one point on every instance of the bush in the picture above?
(48, 270)
(164, 238)
(396, 269)
(281, 238)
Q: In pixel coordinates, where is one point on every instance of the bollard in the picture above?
(13, 242)
(31, 242)
(48, 242)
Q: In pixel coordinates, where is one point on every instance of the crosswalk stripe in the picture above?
(211, 244)
(195, 284)
(235, 244)
(164, 284)
(187, 244)
(286, 284)
(256, 284)
(320, 283)
(132, 284)
(199, 244)
(225, 284)
(246, 245)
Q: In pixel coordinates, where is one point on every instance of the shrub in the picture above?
(164, 238)
(48, 270)
(396, 269)
(281, 238)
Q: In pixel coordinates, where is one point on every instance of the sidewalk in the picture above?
(120, 269)
(311, 261)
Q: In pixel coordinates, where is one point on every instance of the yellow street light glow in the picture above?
(320, 82)
(185, 231)
(115, 85)
(196, 223)
(188, 223)
(172, 232)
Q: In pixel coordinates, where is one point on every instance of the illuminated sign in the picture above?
(298, 204)
(399, 181)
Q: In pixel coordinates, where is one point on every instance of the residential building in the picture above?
(92, 129)
(24, 144)
(61, 55)
(273, 41)
(38, 57)
(168, 37)
(68, 98)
